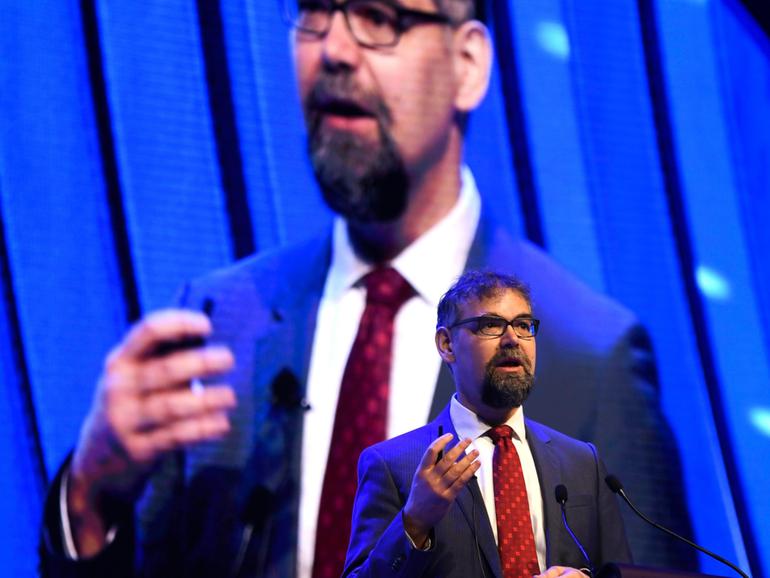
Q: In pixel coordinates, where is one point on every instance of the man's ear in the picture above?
(444, 344)
(473, 64)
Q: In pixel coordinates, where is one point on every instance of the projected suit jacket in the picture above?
(596, 382)
(464, 545)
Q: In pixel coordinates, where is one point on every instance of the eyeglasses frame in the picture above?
(406, 18)
(535, 323)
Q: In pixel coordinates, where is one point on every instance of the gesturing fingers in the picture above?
(458, 474)
(431, 455)
(437, 482)
(179, 368)
(449, 474)
(163, 326)
(144, 407)
(166, 420)
(461, 472)
(189, 431)
(450, 457)
(169, 407)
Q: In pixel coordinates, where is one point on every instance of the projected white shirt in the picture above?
(340, 310)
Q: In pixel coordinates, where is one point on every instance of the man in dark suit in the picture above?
(385, 90)
(447, 511)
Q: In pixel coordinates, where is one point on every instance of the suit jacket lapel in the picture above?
(471, 504)
(290, 297)
(294, 305)
(548, 468)
(282, 349)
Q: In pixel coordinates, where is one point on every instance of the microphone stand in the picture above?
(617, 488)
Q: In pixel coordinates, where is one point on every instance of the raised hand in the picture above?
(143, 408)
(436, 484)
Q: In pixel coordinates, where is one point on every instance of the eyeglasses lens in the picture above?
(372, 22)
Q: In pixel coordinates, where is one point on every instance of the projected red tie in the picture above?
(515, 540)
(361, 418)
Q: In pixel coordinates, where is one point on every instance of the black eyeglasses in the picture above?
(373, 23)
(493, 326)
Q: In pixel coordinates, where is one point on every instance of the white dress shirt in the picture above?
(468, 425)
(430, 264)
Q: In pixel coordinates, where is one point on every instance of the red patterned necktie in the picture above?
(515, 540)
(361, 418)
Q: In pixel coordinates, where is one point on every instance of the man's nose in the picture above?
(509, 337)
(340, 49)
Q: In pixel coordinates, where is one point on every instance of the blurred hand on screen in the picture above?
(143, 408)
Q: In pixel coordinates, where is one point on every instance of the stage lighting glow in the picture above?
(553, 38)
(712, 284)
(760, 419)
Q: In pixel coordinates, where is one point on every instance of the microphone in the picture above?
(617, 488)
(286, 391)
(561, 496)
(257, 515)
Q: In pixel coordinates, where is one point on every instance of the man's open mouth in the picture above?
(345, 108)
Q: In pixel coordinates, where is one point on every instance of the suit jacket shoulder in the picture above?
(275, 277)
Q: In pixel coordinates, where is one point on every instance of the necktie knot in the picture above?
(385, 286)
(500, 432)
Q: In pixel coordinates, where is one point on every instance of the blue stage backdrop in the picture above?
(144, 143)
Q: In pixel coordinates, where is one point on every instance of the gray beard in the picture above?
(362, 183)
(505, 390)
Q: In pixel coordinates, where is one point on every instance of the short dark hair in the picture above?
(477, 285)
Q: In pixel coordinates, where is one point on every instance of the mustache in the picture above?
(340, 92)
(510, 355)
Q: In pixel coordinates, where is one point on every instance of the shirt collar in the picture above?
(450, 239)
(468, 425)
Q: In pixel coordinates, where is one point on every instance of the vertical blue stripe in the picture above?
(633, 230)
(675, 174)
(21, 493)
(110, 171)
(745, 71)
(60, 249)
(515, 122)
(227, 140)
(712, 197)
(286, 204)
(174, 201)
(543, 43)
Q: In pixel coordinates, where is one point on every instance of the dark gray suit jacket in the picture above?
(464, 545)
(596, 381)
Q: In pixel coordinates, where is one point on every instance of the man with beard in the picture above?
(313, 351)
(421, 512)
